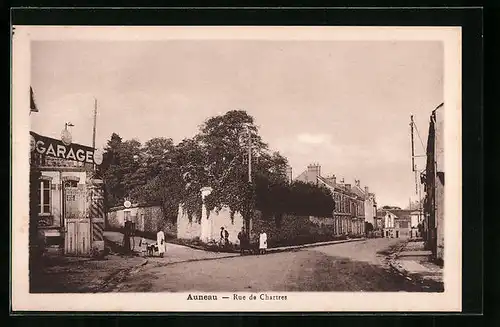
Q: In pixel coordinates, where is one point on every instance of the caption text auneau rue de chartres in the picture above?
(237, 297)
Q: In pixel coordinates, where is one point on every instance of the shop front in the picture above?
(66, 197)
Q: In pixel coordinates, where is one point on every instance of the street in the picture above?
(355, 266)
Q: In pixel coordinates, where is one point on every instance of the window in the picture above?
(70, 184)
(44, 192)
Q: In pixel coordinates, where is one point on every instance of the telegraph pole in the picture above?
(412, 146)
(249, 155)
(413, 155)
(93, 132)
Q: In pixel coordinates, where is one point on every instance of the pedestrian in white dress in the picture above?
(262, 242)
(162, 245)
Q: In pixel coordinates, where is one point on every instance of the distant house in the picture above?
(353, 204)
(398, 223)
(379, 220)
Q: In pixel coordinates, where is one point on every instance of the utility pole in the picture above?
(249, 155)
(413, 154)
(93, 132)
(412, 146)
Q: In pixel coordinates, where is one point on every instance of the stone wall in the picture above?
(146, 219)
(290, 229)
(209, 228)
(187, 229)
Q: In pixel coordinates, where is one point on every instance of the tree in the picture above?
(111, 172)
(157, 154)
(175, 175)
(121, 169)
(275, 198)
(391, 207)
(224, 143)
(130, 163)
(171, 174)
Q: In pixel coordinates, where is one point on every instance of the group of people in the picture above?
(245, 243)
(160, 246)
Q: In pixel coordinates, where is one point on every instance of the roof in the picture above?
(328, 182)
(356, 190)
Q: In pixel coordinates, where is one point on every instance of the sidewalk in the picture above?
(413, 261)
(175, 253)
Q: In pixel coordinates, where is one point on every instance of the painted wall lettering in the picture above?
(56, 148)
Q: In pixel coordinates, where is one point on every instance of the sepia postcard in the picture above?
(231, 168)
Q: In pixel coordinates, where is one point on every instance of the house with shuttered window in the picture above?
(397, 223)
(62, 194)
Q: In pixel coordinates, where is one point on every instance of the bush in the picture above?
(276, 198)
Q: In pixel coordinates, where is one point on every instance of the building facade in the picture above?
(397, 223)
(66, 200)
(351, 201)
(433, 180)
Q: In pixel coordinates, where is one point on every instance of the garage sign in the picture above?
(56, 148)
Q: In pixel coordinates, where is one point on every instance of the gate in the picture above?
(78, 239)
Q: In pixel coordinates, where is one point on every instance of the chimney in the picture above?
(357, 182)
(313, 171)
(289, 174)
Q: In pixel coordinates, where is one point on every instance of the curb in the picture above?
(272, 250)
(282, 248)
(392, 259)
(295, 247)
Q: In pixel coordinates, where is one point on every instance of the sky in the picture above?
(345, 105)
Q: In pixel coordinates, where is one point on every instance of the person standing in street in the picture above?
(162, 245)
(222, 237)
(242, 237)
(262, 242)
(226, 238)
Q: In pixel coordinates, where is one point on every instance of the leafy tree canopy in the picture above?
(161, 172)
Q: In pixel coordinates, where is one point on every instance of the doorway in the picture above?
(78, 240)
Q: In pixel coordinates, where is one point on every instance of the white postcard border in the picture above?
(449, 300)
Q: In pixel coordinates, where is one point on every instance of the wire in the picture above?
(418, 134)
